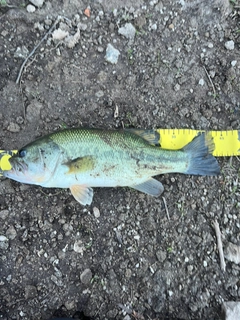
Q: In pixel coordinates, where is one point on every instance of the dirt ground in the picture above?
(121, 257)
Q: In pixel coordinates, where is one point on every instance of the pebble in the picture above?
(33, 111)
(232, 252)
(233, 63)
(30, 292)
(37, 3)
(21, 52)
(99, 94)
(11, 233)
(177, 87)
(86, 276)
(30, 8)
(201, 82)
(4, 214)
(13, 127)
(96, 212)
(3, 238)
(231, 310)
(229, 45)
(78, 246)
(59, 34)
(128, 31)
(111, 54)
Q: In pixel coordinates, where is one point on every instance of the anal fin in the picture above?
(151, 186)
(82, 194)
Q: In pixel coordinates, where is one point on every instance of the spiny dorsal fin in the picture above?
(150, 135)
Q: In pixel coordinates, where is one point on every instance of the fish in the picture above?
(82, 158)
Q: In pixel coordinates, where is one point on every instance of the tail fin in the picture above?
(201, 162)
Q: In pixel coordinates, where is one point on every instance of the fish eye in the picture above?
(22, 153)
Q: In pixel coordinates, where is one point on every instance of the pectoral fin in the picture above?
(152, 187)
(81, 164)
(82, 194)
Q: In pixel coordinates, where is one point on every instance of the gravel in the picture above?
(121, 258)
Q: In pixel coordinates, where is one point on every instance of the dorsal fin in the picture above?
(149, 135)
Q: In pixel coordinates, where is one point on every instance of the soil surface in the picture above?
(120, 258)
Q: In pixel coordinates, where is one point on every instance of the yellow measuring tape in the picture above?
(227, 143)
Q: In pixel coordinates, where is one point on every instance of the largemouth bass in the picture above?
(80, 159)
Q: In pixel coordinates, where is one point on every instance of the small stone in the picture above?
(210, 45)
(171, 26)
(11, 233)
(177, 87)
(111, 54)
(229, 45)
(128, 31)
(37, 3)
(78, 246)
(82, 26)
(13, 127)
(99, 94)
(3, 238)
(232, 252)
(71, 41)
(86, 276)
(161, 255)
(233, 63)
(4, 214)
(21, 52)
(205, 263)
(231, 310)
(201, 82)
(153, 27)
(30, 292)
(96, 212)
(30, 8)
(33, 111)
(59, 34)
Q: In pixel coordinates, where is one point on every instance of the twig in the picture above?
(37, 46)
(166, 208)
(219, 245)
(209, 78)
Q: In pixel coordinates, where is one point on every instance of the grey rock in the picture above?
(229, 45)
(232, 252)
(231, 310)
(21, 52)
(128, 31)
(13, 127)
(11, 233)
(37, 3)
(33, 111)
(4, 214)
(86, 276)
(30, 291)
(111, 54)
(30, 8)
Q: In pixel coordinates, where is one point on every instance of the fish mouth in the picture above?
(18, 169)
